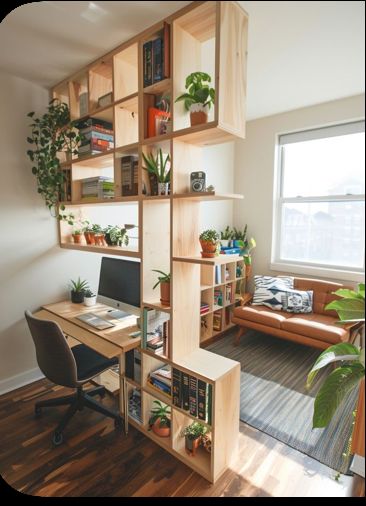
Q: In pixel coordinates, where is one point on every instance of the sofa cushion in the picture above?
(262, 315)
(297, 301)
(317, 326)
(269, 290)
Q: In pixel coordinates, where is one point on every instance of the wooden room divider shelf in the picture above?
(207, 36)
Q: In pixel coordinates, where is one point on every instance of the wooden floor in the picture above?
(98, 461)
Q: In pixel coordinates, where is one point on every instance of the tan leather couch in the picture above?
(316, 329)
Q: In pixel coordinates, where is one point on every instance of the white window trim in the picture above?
(339, 273)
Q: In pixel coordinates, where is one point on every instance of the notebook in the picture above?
(95, 321)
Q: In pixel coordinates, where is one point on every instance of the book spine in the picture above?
(185, 391)
(209, 405)
(166, 46)
(157, 59)
(98, 135)
(147, 54)
(177, 393)
(193, 395)
(202, 400)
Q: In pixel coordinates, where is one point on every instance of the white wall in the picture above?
(33, 269)
(254, 167)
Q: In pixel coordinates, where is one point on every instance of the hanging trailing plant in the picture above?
(52, 133)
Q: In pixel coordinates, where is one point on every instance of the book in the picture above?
(157, 60)
(202, 400)
(147, 63)
(166, 49)
(185, 391)
(193, 395)
(217, 320)
(105, 100)
(153, 325)
(177, 388)
(129, 175)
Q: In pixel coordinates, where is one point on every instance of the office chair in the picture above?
(69, 367)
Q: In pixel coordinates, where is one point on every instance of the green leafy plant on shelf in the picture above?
(350, 309)
(199, 96)
(51, 134)
(116, 236)
(159, 421)
(210, 243)
(194, 430)
(164, 282)
(159, 167)
(163, 278)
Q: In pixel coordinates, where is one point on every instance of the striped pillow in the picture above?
(278, 293)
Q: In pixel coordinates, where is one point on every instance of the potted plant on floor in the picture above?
(210, 243)
(193, 436)
(158, 168)
(159, 420)
(164, 282)
(78, 288)
(198, 98)
(90, 298)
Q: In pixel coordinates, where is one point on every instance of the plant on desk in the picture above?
(193, 434)
(90, 297)
(164, 282)
(78, 289)
(159, 420)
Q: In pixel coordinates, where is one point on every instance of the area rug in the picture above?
(273, 397)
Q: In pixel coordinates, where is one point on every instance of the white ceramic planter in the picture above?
(90, 301)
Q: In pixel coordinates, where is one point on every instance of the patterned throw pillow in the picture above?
(278, 293)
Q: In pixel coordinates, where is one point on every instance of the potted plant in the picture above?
(78, 288)
(239, 237)
(116, 236)
(247, 246)
(210, 244)
(52, 133)
(193, 436)
(98, 235)
(77, 235)
(164, 282)
(198, 98)
(90, 298)
(159, 420)
(89, 234)
(225, 237)
(159, 169)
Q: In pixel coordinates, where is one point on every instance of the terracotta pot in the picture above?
(160, 431)
(77, 238)
(99, 240)
(192, 445)
(199, 117)
(165, 293)
(209, 249)
(89, 237)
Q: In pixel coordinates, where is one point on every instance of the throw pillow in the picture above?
(297, 301)
(269, 290)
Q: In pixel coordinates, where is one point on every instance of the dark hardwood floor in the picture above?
(97, 460)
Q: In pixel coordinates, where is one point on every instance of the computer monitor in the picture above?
(119, 285)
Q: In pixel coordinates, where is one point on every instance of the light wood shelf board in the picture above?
(207, 196)
(115, 201)
(157, 305)
(133, 383)
(200, 23)
(126, 150)
(154, 355)
(109, 250)
(154, 393)
(158, 87)
(101, 160)
(206, 364)
(155, 198)
(129, 103)
(219, 260)
(203, 135)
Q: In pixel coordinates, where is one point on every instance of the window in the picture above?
(320, 203)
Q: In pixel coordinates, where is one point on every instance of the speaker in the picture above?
(198, 182)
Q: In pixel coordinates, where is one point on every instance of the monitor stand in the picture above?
(117, 314)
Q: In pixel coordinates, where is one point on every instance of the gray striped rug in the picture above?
(274, 400)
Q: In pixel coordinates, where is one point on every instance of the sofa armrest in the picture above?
(246, 299)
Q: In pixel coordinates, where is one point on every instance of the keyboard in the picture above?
(95, 321)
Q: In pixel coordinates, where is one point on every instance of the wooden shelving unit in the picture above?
(208, 36)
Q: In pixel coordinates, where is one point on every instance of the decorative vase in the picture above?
(165, 293)
(209, 249)
(191, 445)
(163, 188)
(160, 431)
(77, 297)
(198, 114)
(90, 301)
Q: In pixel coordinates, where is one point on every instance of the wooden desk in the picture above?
(112, 342)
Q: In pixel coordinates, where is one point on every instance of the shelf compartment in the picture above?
(79, 95)
(149, 183)
(206, 326)
(61, 92)
(100, 83)
(126, 121)
(159, 88)
(98, 161)
(201, 462)
(207, 196)
(126, 171)
(126, 72)
(219, 260)
(157, 305)
(131, 390)
(148, 405)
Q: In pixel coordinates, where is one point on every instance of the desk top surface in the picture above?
(117, 336)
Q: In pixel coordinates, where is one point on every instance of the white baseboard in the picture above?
(19, 380)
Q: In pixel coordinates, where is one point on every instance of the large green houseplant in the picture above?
(51, 134)
(199, 97)
(350, 309)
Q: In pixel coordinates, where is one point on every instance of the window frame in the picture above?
(298, 266)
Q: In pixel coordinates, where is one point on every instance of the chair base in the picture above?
(77, 402)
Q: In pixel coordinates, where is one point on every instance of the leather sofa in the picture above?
(317, 329)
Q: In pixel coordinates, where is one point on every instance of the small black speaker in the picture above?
(198, 182)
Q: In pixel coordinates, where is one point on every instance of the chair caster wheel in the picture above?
(37, 411)
(118, 422)
(57, 438)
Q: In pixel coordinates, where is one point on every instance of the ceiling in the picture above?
(300, 53)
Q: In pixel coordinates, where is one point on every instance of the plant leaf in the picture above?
(348, 309)
(332, 354)
(333, 391)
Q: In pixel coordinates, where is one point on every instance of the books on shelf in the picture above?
(129, 175)
(192, 394)
(205, 308)
(156, 331)
(161, 379)
(100, 187)
(156, 57)
(134, 405)
(217, 320)
(230, 251)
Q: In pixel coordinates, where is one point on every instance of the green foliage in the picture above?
(238, 235)
(226, 234)
(160, 411)
(158, 165)
(194, 430)
(164, 278)
(50, 134)
(79, 285)
(210, 235)
(118, 235)
(351, 308)
(89, 293)
(198, 90)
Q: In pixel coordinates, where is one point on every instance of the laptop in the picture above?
(95, 321)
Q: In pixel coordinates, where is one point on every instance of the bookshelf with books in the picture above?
(145, 73)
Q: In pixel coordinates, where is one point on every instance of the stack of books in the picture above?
(204, 308)
(226, 250)
(161, 379)
(134, 405)
(99, 187)
(97, 136)
(129, 175)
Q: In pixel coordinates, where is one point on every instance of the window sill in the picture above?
(319, 272)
